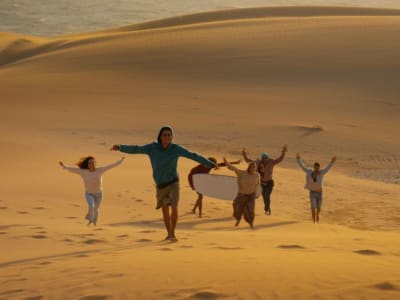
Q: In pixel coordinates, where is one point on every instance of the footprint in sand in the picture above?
(11, 292)
(143, 240)
(122, 236)
(82, 255)
(207, 295)
(387, 286)
(291, 247)
(186, 246)
(166, 249)
(94, 241)
(367, 252)
(2, 232)
(96, 297)
(229, 248)
(195, 293)
(23, 213)
(3, 207)
(39, 297)
(115, 275)
(147, 231)
(45, 263)
(39, 207)
(38, 236)
(71, 218)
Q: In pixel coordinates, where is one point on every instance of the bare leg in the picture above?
(317, 216)
(174, 220)
(197, 204)
(313, 214)
(167, 220)
(200, 201)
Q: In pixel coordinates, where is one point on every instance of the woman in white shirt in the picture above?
(93, 180)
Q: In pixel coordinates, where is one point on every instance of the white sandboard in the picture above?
(218, 186)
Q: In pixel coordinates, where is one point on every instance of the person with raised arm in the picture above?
(93, 179)
(200, 169)
(164, 157)
(248, 182)
(265, 166)
(314, 180)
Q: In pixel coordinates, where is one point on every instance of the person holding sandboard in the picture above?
(201, 169)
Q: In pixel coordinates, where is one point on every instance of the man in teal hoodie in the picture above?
(164, 159)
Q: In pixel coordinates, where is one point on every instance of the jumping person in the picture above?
(265, 166)
(248, 182)
(314, 179)
(93, 180)
(164, 157)
(200, 169)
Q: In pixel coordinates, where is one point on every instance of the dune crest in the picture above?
(258, 12)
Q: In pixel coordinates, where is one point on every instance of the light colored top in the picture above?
(248, 183)
(314, 186)
(164, 160)
(93, 180)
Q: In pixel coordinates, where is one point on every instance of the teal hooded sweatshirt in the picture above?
(164, 161)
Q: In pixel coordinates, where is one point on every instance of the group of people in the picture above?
(164, 157)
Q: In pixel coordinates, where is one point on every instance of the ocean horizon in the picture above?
(51, 18)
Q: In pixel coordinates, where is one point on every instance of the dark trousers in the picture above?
(267, 188)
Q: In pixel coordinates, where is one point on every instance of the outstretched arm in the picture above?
(231, 162)
(280, 158)
(132, 149)
(301, 163)
(246, 158)
(70, 169)
(230, 167)
(196, 157)
(329, 166)
(113, 165)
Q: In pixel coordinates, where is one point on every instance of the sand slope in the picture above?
(322, 80)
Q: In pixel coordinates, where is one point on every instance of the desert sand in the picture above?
(325, 81)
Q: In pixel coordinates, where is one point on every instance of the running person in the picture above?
(314, 180)
(200, 169)
(244, 203)
(93, 180)
(164, 157)
(265, 166)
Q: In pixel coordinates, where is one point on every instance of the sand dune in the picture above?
(322, 80)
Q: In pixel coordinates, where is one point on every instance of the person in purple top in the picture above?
(265, 166)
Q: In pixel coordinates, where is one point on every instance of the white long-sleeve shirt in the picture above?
(93, 180)
(310, 183)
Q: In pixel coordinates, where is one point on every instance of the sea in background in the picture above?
(58, 17)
